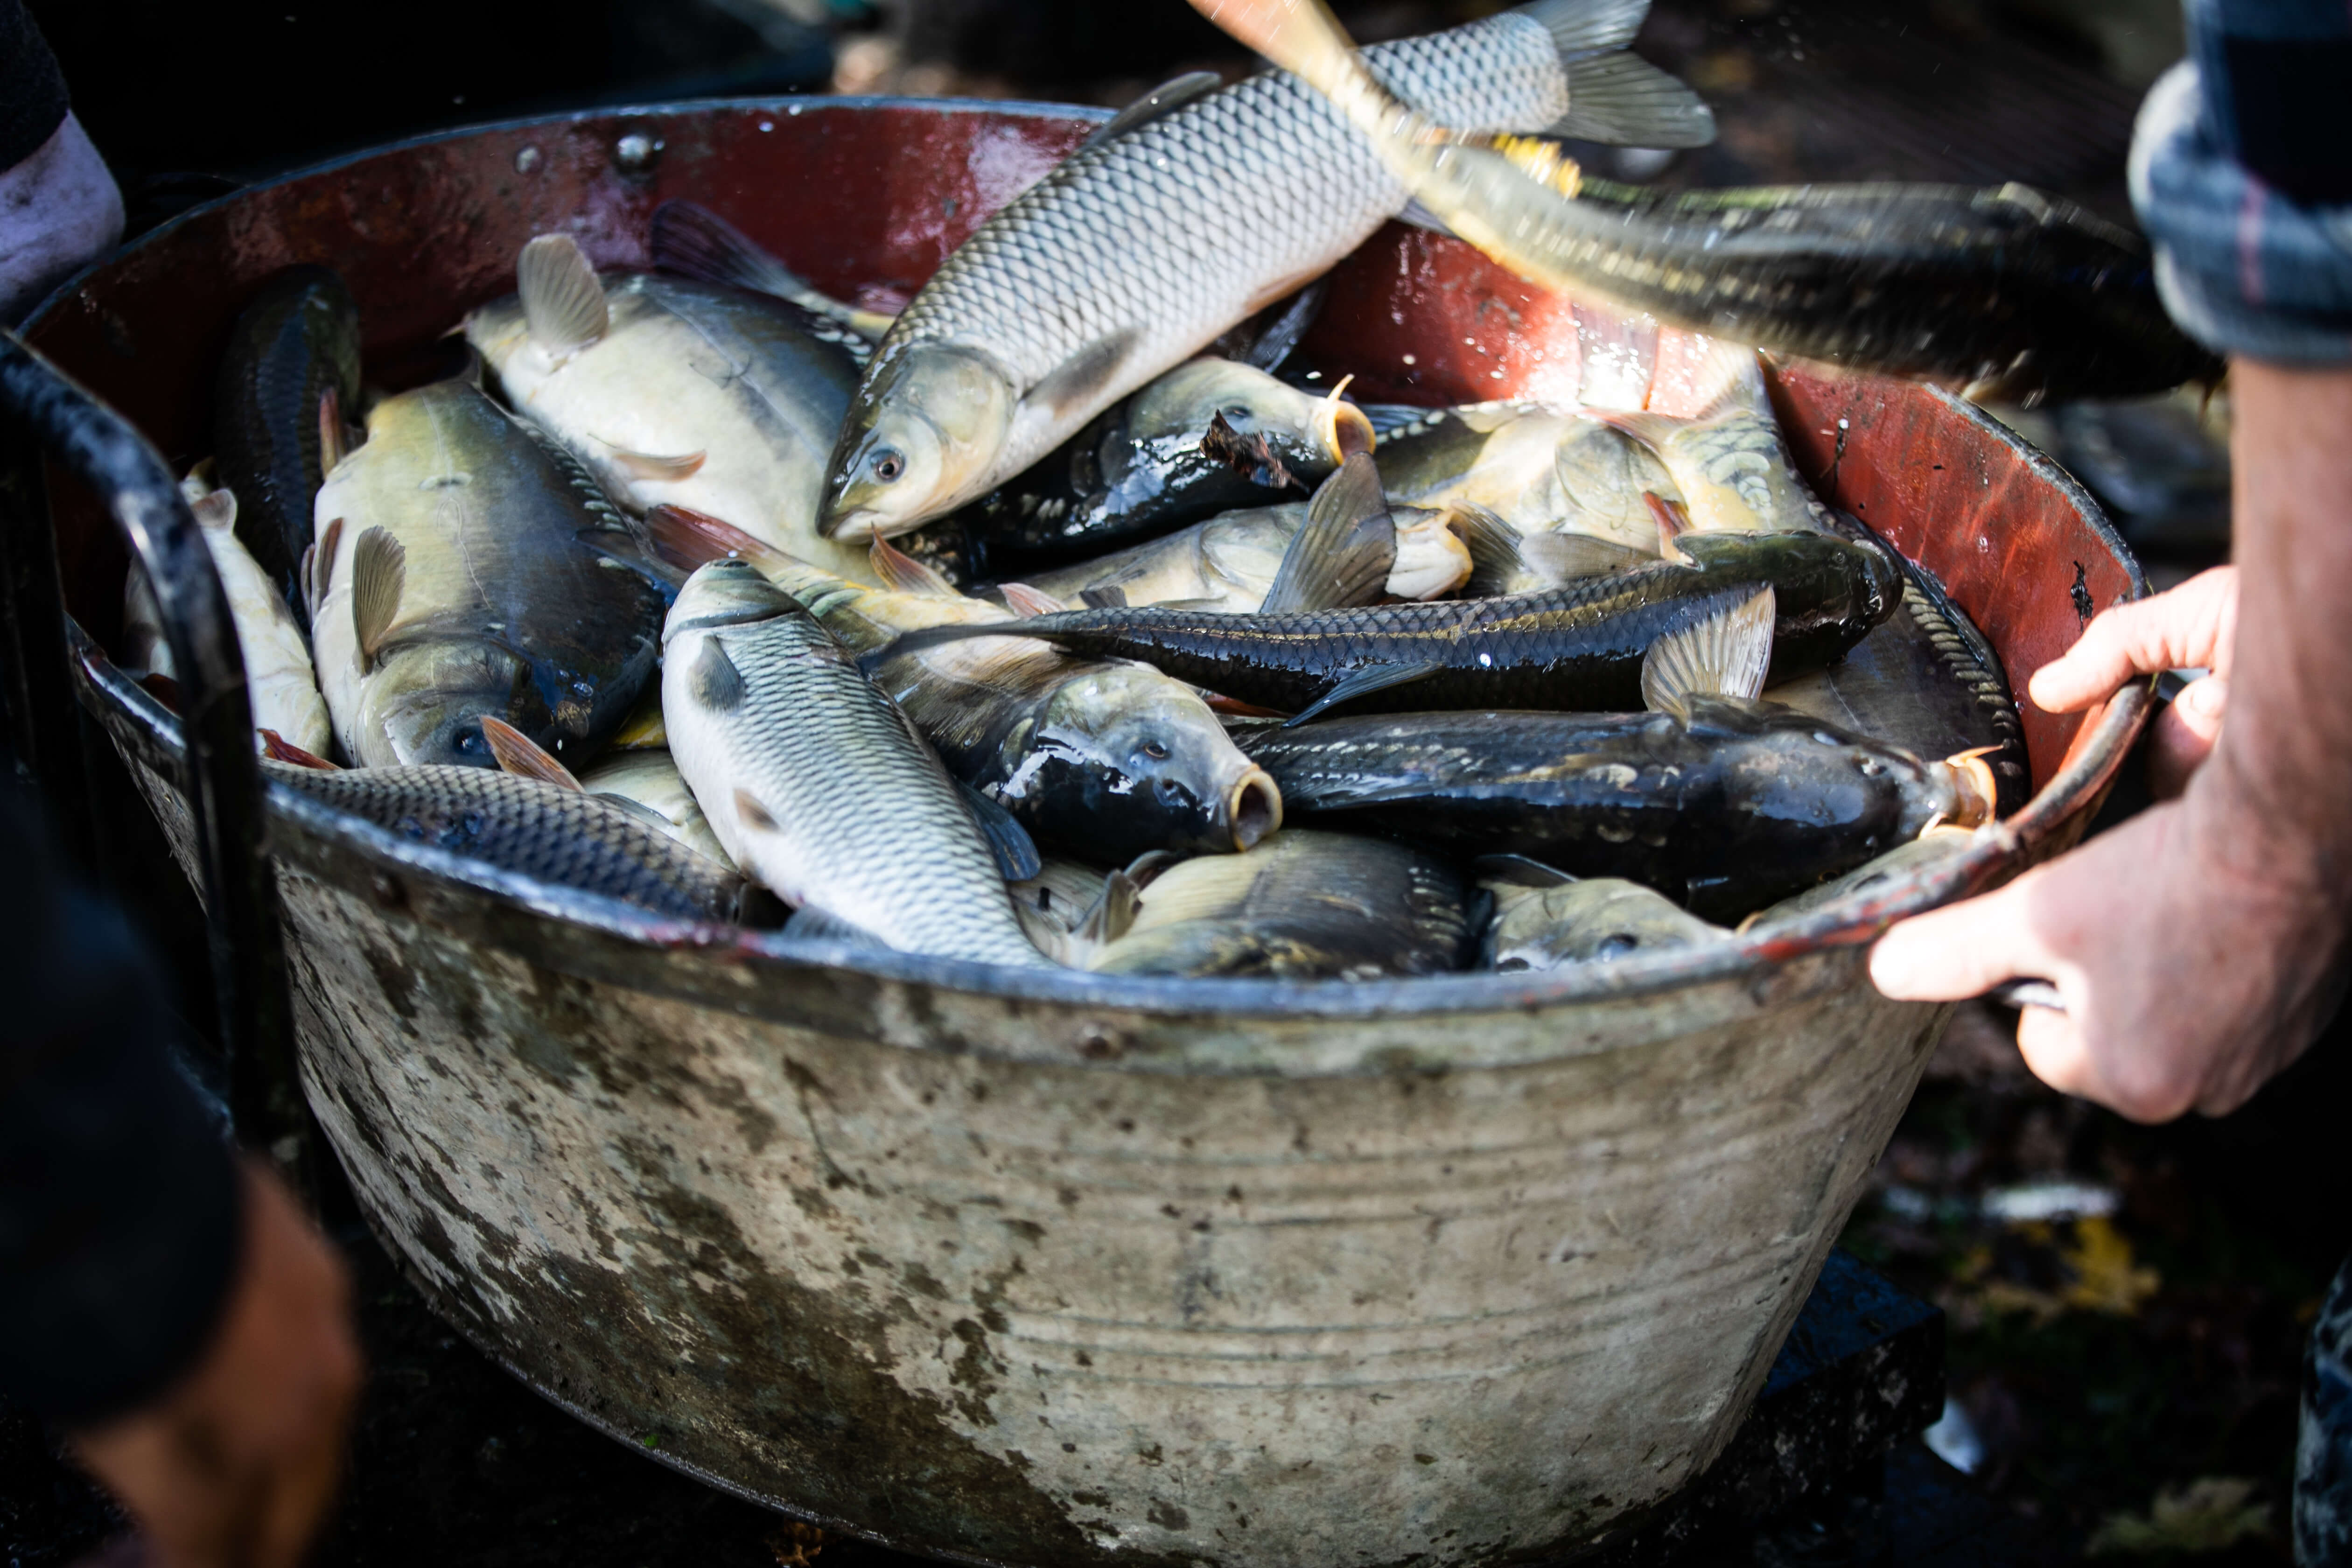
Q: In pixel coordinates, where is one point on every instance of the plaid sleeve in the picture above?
(2241, 173)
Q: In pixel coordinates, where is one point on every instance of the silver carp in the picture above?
(648, 780)
(1597, 919)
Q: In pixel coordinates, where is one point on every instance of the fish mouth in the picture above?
(1253, 807)
(1973, 785)
(854, 526)
(1342, 429)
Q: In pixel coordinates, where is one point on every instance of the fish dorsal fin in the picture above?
(1017, 859)
(1112, 913)
(1362, 683)
(1673, 520)
(1158, 104)
(562, 302)
(692, 241)
(810, 923)
(1110, 597)
(1624, 101)
(656, 470)
(378, 577)
(901, 573)
(1731, 379)
(1496, 548)
(1724, 654)
(334, 440)
(215, 511)
(1519, 871)
(319, 573)
(692, 539)
(1342, 553)
(1566, 557)
(1025, 601)
(278, 749)
(1080, 379)
(525, 758)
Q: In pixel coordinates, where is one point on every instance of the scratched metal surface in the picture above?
(1040, 1268)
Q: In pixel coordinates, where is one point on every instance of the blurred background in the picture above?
(2126, 1306)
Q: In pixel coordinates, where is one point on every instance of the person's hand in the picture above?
(2192, 627)
(235, 1466)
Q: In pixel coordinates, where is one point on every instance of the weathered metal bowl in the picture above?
(1039, 1268)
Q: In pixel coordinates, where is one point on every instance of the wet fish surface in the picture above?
(1723, 812)
(1301, 905)
(678, 393)
(1181, 218)
(815, 781)
(466, 565)
(287, 384)
(1591, 920)
(647, 780)
(520, 824)
(1579, 647)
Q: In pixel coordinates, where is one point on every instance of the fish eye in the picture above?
(471, 742)
(889, 464)
(1871, 767)
(1235, 411)
(1156, 750)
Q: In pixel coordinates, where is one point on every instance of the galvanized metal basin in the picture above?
(1037, 1267)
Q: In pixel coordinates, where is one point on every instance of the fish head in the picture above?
(425, 703)
(727, 592)
(1598, 920)
(1803, 787)
(1431, 559)
(922, 437)
(1124, 760)
(1312, 434)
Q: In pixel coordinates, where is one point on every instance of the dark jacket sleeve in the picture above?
(32, 90)
(2241, 174)
(119, 1197)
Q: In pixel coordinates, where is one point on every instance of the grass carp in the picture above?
(1299, 905)
(677, 392)
(1187, 214)
(1105, 758)
(1579, 647)
(1724, 808)
(816, 782)
(541, 830)
(287, 384)
(465, 567)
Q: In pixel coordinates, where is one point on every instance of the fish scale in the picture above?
(1177, 229)
(867, 824)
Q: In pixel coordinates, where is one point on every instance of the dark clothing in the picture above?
(119, 1199)
(32, 90)
(2323, 1458)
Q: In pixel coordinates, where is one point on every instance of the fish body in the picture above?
(1740, 805)
(1164, 457)
(465, 567)
(1229, 562)
(678, 393)
(1299, 905)
(521, 824)
(1728, 463)
(1578, 647)
(295, 348)
(279, 682)
(1142, 246)
(817, 784)
(1597, 919)
(648, 780)
(1539, 470)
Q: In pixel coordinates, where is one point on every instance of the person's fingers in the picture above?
(2052, 1044)
(2183, 735)
(1962, 951)
(2191, 625)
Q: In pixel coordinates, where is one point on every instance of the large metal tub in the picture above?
(1034, 1268)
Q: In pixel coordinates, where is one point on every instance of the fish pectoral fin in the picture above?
(1025, 601)
(521, 755)
(215, 510)
(1498, 551)
(1565, 557)
(1281, 335)
(1112, 913)
(278, 749)
(1519, 871)
(1725, 654)
(334, 440)
(812, 925)
(691, 538)
(563, 303)
(318, 566)
(715, 683)
(654, 469)
(1342, 554)
(1673, 520)
(1624, 101)
(1110, 597)
(755, 817)
(1363, 683)
(693, 241)
(1017, 859)
(903, 574)
(378, 577)
(1158, 104)
(1081, 379)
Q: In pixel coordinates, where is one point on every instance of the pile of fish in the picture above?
(1089, 631)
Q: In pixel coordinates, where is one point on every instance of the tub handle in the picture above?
(48, 413)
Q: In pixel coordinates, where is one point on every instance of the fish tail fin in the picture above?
(1725, 654)
(1342, 554)
(562, 301)
(692, 241)
(1616, 97)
